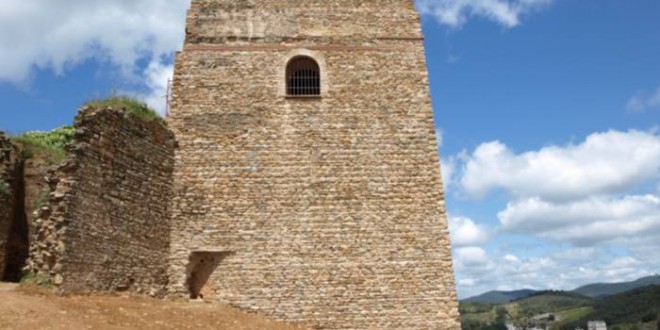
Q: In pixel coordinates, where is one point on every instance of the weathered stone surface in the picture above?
(106, 224)
(35, 170)
(327, 210)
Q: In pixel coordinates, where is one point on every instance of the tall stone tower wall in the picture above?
(325, 210)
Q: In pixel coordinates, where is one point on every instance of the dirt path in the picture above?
(22, 308)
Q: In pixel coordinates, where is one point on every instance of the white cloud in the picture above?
(448, 169)
(566, 269)
(589, 221)
(467, 282)
(610, 162)
(455, 13)
(465, 232)
(643, 101)
(485, 272)
(439, 134)
(471, 261)
(57, 35)
(156, 75)
(472, 257)
(591, 205)
(511, 258)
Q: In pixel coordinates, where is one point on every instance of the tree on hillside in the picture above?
(500, 320)
(496, 326)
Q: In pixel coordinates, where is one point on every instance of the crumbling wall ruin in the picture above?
(22, 172)
(35, 170)
(105, 225)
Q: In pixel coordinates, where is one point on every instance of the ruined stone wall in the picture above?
(106, 224)
(323, 210)
(36, 169)
(23, 171)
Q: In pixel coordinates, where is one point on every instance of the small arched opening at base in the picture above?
(303, 77)
(201, 266)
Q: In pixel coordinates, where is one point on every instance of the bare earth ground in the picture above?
(33, 308)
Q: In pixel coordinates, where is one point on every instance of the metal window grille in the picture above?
(303, 77)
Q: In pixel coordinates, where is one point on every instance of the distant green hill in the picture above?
(535, 310)
(568, 310)
(638, 305)
(551, 302)
(596, 290)
(629, 305)
(499, 297)
(599, 290)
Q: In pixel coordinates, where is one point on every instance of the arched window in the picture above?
(303, 77)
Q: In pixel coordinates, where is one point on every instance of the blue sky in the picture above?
(548, 112)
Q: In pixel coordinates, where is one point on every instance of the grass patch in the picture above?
(576, 314)
(43, 199)
(5, 188)
(131, 105)
(50, 145)
(30, 278)
(551, 302)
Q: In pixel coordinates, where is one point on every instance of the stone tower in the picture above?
(307, 182)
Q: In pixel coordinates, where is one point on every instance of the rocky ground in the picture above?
(33, 308)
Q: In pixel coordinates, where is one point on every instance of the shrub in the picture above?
(649, 317)
(30, 278)
(131, 105)
(43, 198)
(51, 144)
(5, 188)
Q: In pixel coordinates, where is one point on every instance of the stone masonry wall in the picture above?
(327, 211)
(36, 168)
(106, 224)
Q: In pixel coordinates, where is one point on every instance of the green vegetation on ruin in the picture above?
(5, 188)
(43, 198)
(30, 278)
(48, 145)
(130, 105)
(51, 146)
